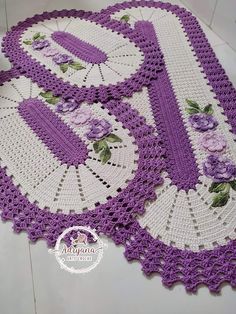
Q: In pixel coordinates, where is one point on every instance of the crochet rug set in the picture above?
(123, 121)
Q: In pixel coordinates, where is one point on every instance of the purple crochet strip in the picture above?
(54, 133)
(180, 161)
(208, 267)
(50, 82)
(79, 48)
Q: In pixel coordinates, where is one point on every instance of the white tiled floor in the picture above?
(32, 282)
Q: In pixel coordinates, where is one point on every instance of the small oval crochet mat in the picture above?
(62, 166)
(82, 55)
(188, 233)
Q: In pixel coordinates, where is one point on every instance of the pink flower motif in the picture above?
(80, 116)
(50, 52)
(213, 142)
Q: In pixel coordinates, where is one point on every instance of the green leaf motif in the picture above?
(48, 94)
(192, 110)
(112, 138)
(99, 145)
(105, 155)
(208, 109)
(192, 104)
(220, 199)
(76, 66)
(27, 42)
(42, 37)
(218, 187)
(53, 100)
(233, 185)
(64, 67)
(36, 36)
(125, 18)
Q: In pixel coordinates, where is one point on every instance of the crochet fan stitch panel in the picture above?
(82, 55)
(188, 233)
(44, 189)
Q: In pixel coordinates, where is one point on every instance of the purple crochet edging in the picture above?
(180, 160)
(55, 134)
(50, 82)
(79, 48)
(106, 218)
(192, 269)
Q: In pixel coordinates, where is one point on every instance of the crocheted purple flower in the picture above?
(50, 52)
(99, 129)
(66, 106)
(40, 44)
(62, 58)
(80, 116)
(203, 122)
(219, 168)
(213, 142)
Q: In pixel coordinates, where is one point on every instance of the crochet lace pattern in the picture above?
(144, 172)
(127, 63)
(162, 239)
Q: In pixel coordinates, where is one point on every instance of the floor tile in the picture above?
(212, 37)
(115, 286)
(16, 290)
(4, 63)
(227, 57)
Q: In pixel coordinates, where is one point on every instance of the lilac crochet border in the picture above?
(106, 218)
(44, 78)
(54, 133)
(193, 269)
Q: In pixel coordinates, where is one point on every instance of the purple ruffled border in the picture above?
(44, 78)
(193, 269)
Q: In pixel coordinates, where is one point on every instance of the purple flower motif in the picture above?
(40, 44)
(219, 168)
(66, 106)
(213, 142)
(62, 58)
(80, 116)
(203, 122)
(99, 129)
(50, 52)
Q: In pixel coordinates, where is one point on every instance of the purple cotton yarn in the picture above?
(79, 48)
(62, 58)
(203, 122)
(99, 129)
(219, 168)
(40, 44)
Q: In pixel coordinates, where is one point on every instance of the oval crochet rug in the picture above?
(148, 158)
(188, 233)
(82, 55)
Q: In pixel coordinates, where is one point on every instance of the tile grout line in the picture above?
(32, 277)
(213, 13)
(6, 15)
